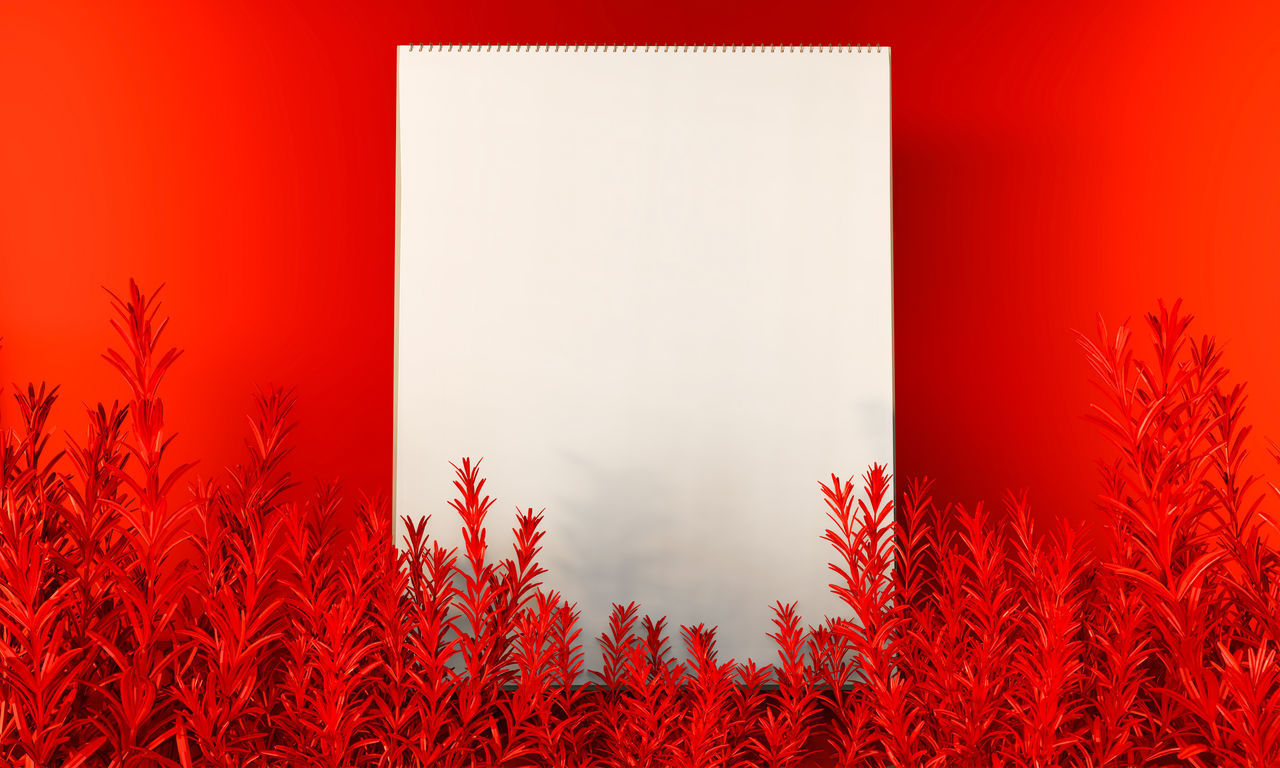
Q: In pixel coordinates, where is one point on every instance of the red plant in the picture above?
(1048, 712)
(640, 708)
(220, 624)
(788, 720)
(230, 643)
(879, 715)
(708, 703)
(549, 666)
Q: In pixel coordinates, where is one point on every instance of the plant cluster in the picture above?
(223, 625)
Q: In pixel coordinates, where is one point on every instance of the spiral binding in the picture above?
(486, 48)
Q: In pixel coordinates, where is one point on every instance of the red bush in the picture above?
(219, 625)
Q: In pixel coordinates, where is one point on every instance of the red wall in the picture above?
(1049, 164)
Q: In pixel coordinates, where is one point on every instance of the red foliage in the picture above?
(220, 625)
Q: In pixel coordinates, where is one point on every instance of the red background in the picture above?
(1050, 163)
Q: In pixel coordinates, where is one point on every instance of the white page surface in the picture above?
(653, 291)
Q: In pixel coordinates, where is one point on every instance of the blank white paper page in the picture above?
(653, 290)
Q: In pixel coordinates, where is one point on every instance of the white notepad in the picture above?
(652, 287)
